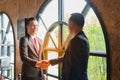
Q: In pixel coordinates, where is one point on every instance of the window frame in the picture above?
(99, 54)
(10, 25)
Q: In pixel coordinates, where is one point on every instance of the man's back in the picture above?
(76, 58)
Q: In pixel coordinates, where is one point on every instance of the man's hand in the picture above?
(43, 64)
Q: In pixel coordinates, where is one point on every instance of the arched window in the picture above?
(6, 48)
(53, 17)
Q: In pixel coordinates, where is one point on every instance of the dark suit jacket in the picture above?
(75, 59)
(29, 57)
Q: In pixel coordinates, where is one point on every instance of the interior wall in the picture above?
(109, 11)
(19, 9)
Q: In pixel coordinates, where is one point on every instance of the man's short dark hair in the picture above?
(27, 20)
(78, 19)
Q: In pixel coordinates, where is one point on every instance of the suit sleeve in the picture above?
(24, 52)
(56, 60)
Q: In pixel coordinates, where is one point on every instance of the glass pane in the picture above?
(97, 68)
(53, 69)
(51, 78)
(65, 32)
(94, 32)
(66, 37)
(5, 21)
(54, 35)
(0, 22)
(51, 44)
(72, 6)
(48, 16)
(41, 31)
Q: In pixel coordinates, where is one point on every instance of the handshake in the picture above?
(43, 64)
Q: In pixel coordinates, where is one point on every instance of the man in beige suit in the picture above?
(31, 52)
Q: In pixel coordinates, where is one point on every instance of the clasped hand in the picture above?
(43, 64)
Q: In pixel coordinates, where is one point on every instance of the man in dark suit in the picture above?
(75, 59)
(31, 52)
